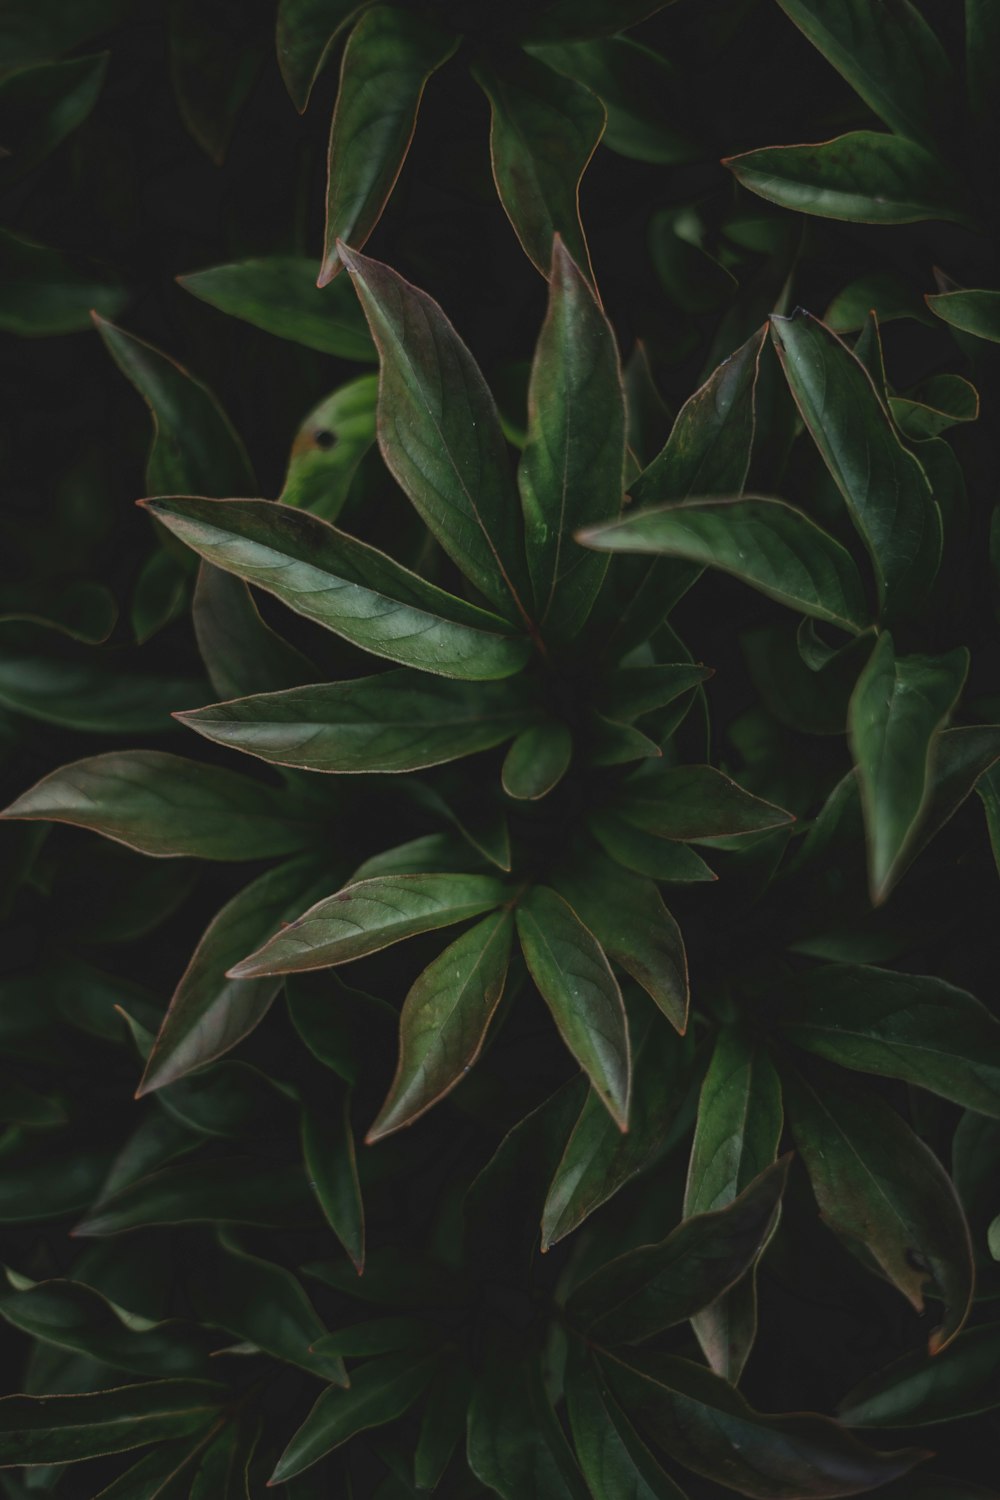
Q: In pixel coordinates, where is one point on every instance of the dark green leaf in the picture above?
(370, 915)
(233, 1190)
(94, 693)
(329, 1155)
(345, 585)
(867, 176)
(896, 713)
(279, 294)
(83, 610)
(537, 760)
(307, 30)
(879, 1185)
(163, 805)
(567, 19)
(390, 55)
(694, 802)
(45, 291)
(444, 1021)
(160, 595)
(976, 312)
(708, 1427)
(41, 105)
(616, 1463)
(634, 691)
(918, 1389)
(215, 57)
(65, 1429)
(575, 980)
(442, 1427)
(380, 1392)
(766, 543)
(516, 1446)
(331, 443)
(571, 471)
(658, 858)
(937, 403)
(241, 654)
(397, 721)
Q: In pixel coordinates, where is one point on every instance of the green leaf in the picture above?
(160, 595)
(890, 56)
(222, 1473)
(567, 19)
(919, 1029)
(645, 1291)
(598, 1159)
(330, 445)
(879, 1185)
(537, 760)
(440, 434)
(379, 1392)
(278, 293)
(919, 1390)
(95, 693)
(937, 403)
(544, 129)
(370, 915)
(41, 105)
(329, 1155)
(627, 916)
(83, 610)
(195, 447)
(226, 1190)
(639, 90)
(241, 654)
(571, 471)
(644, 853)
(736, 1136)
(163, 805)
(896, 713)
(766, 543)
(160, 1474)
(885, 292)
(694, 802)
(516, 1446)
(261, 1302)
(444, 1021)
(634, 691)
(307, 30)
(390, 55)
(46, 291)
(706, 1425)
(65, 1429)
(615, 1462)
(345, 585)
(33, 32)
(49, 1183)
(884, 487)
(442, 1426)
(398, 721)
(975, 312)
(575, 980)
(867, 177)
(209, 1013)
(215, 54)
(70, 1316)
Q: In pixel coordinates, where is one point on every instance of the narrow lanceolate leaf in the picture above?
(70, 1315)
(210, 1013)
(440, 434)
(888, 54)
(370, 915)
(516, 1445)
(694, 802)
(390, 55)
(45, 291)
(896, 712)
(380, 1391)
(919, 1389)
(226, 1190)
(866, 176)
(279, 294)
(306, 32)
(195, 447)
(627, 916)
(575, 980)
(650, 1289)
(164, 805)
(646, 854)
(398, 721)
(444, 1021)
(906, 1026)
(976, 312)
(65, 1429)
(241, 653)
(571, 472)
(41, 105)
(345, 585)
(707, 1426)
(878, 1183)
(616, 1464)
(331, 1161)
(884, 487)
(737, 1135)
(537, 760)
(544, 129)
(766, 543)
(634, 691)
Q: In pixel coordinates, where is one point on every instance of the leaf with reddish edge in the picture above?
(537, 760)
(278, 294)
(574, 978)
(390, 55)
(306, 33)
(444, 1021)
(644, 853)
(693, 802)
(706, 1425)
(209, 1013)
(976, 312)
(330, 1158)
(440, 435)
(370, 915)
(616, 1463)
(63, 1429)
(544, 129)
(241, 653)
(920, 1389)
(877, 1183)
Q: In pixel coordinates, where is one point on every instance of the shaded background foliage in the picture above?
(153, 183)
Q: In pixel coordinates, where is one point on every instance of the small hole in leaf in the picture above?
(323, 438)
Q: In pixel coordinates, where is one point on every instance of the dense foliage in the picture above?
(499, 966)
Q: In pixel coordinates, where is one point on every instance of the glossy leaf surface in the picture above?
(278, 293)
